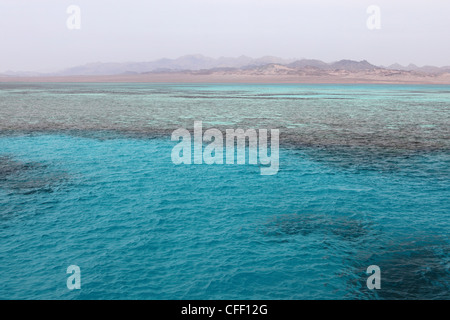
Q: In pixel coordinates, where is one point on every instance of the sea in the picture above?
(87, 180)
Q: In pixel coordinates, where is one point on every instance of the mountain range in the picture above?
(243, 64)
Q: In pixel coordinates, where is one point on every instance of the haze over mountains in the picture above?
(243, 64)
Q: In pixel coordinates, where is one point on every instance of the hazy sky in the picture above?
(34, 35)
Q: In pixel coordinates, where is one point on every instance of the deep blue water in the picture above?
(140, 227)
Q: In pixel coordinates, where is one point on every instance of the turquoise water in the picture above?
(86, 178)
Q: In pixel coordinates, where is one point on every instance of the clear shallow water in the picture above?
(375, 116)
(78, 188)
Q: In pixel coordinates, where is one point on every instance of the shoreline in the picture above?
(356, 78)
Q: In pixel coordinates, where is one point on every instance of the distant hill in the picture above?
(350, 65)
(199, 62)
(189, 62)
(206, 65)
(424, 69)
(304, 63)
